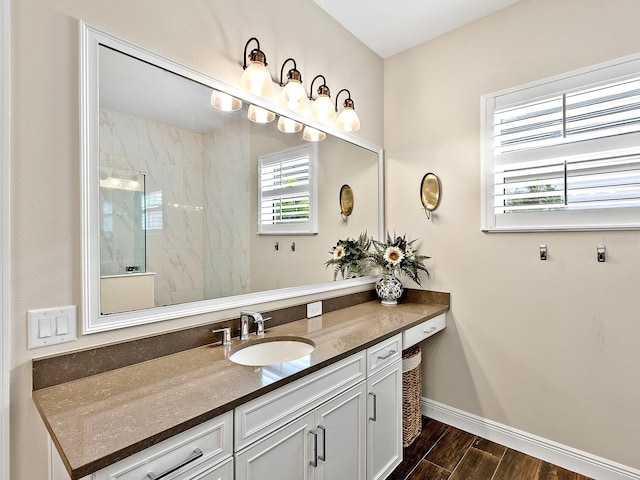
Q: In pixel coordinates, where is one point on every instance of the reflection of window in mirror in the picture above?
(287, 188)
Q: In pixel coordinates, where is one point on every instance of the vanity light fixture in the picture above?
(348, 120)
(256, 78)
(322, 107)
(224, 101)
(292, 96)
(321, 110)
(257, 81)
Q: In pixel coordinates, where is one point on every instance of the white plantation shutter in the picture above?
(564, 153)
(287, 191)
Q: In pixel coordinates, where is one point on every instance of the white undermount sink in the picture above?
(269, 351)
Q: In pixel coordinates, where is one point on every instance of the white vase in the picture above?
(389, 288)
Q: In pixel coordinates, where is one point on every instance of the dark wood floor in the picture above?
(443, 452)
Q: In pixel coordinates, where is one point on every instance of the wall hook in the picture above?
(543, 252)
(276, 246)
(293, 246)
(601, 253)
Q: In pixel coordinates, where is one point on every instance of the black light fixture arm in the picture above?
(256, 51)
(322, 88)
(348, 102)
(293, 72)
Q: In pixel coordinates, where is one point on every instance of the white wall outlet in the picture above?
(314, 309)
(50, 326)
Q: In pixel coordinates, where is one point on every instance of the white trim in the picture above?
(547, 450)
(5, 313)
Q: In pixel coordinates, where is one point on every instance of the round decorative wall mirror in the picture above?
(346, 201)
(430, 193)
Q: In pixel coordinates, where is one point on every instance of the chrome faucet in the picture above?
(244, 324)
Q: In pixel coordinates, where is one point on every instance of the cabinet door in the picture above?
(285, 454)
(341, 429)
(384, 424)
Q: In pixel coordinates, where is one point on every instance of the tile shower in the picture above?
(183, 203)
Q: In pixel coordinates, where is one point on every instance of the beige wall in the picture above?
(547, 347)
(208, 35)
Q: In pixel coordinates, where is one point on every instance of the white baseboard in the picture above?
(547, 450)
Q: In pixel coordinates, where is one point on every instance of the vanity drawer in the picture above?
(263, 415)
(206, 444)
(423, 330)
(383, 354)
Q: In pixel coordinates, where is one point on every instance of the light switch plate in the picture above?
(50, 326)
(314, 309)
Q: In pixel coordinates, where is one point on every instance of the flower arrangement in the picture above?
(349, 257)
(398, 254)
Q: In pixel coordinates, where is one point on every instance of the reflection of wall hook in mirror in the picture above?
(276, 247)
(293, 246)
(543, 252)
(602, 256)
(430, 193)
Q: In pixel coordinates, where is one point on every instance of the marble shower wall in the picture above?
(227, 205)
(172, 160)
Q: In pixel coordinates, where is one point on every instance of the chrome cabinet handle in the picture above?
(390, 354)
(431, 330)
(314, 462)
(375, 407)
(197, 453)
(324, 444)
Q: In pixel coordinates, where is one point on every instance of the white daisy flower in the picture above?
(393, 255)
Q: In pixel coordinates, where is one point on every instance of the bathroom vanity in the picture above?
(197, 415)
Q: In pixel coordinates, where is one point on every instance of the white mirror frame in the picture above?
(92, 320)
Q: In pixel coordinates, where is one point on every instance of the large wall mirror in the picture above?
(171, 198)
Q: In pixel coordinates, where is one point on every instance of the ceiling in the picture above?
(389, 27)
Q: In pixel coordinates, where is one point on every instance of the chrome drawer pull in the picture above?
(314, 462)
(197, 453)
(375, 408)
(431, 330)
(324, 444)
(390, 354)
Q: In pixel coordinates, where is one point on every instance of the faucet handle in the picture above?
(260, 325)
(226, 335)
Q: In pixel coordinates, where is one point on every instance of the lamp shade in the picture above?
(256, 79)
(322, 109)
(224, 101)
(313, 135)
(293, 96)
(286, 125)
(348, 120)
(260, 115)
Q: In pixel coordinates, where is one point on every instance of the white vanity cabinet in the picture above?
(384, 418)
(342, 422)
(326, 443)
(313, 428)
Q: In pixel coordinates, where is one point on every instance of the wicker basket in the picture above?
(411, 395)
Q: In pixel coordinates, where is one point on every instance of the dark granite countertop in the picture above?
(97, 420)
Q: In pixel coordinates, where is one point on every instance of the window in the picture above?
(287, 185)
(564, 153)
